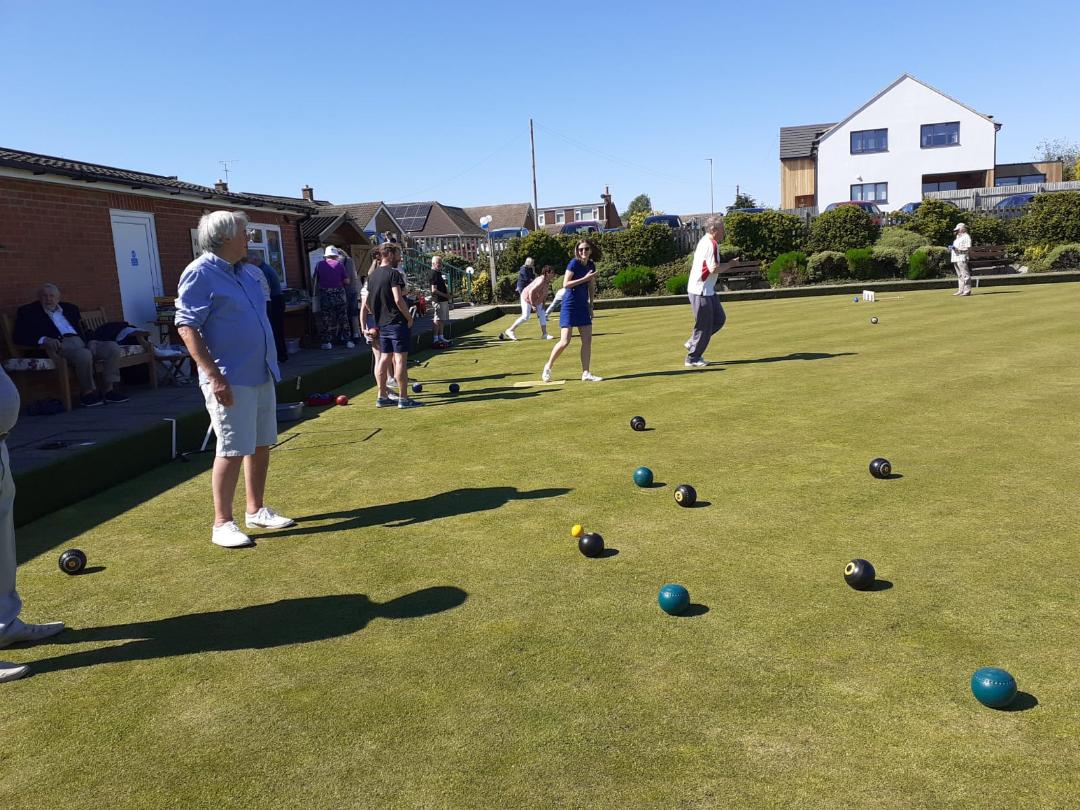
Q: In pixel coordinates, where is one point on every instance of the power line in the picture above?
(466, 171)
(587, 148)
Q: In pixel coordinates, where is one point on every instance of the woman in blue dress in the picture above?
(578, 283)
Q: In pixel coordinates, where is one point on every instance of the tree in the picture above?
(743, 200)
(1068, 152)
(640, 203)
(637, 218)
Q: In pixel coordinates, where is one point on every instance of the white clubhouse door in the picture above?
(138, 267)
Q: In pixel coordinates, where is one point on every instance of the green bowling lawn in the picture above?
(429, 636)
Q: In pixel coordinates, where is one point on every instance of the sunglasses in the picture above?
(582, 249)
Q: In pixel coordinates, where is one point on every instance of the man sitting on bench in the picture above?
(54, 325)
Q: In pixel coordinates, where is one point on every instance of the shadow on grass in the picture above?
(258, 627)
(675, 372)
(695, 609)
(699, 504)
(484, 394)
(56, 528)
(999, 292)
(408, 513)
(608, 552)
(1021, 703)
(479, 378)
(893, 477)
(880, 585)
(786, 357)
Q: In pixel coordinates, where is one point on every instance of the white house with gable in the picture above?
(907, 140)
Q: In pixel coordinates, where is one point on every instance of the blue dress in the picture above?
(575, 304)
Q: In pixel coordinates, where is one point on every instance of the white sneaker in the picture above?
(687, 345)
(545, 375)
(510, 335)
(695, 364)
(391, 382)
(11, 672)
(267, 518)
(228, 535)
(19, 632)
(349, 344)
(327, 346)
(588, 376)
(549, 337)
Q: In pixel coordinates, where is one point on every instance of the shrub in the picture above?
(635, 280)
(481, 287)
(541, 245)
(928, 262)
(1063, 257)
(726, 251)
(788, 269)
(670, 270)
(648, 245)
(1051, 219)
(845, 228)
(860, 262)
(605, 274)
(677, 285)
(764, 236)
(890, 262)
(935, 219)
(990, 230)
(828, 265)
(504, 291)
(1033, 256)
(903, 240)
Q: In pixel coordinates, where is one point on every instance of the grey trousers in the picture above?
(10, 604)
(709, 319)
(82, 357)
(963, 276)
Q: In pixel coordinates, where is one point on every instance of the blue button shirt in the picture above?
(227, 305)
(271, 279)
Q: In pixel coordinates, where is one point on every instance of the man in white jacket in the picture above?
(709, 316)
(960, 247)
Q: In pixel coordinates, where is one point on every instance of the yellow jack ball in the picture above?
(577, 531)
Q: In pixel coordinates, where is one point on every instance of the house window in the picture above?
(585, 213)
(944, 185)
(560, 217)
(542, 221)
(940, 135)
(871, 192)
(1019, 180)
(869, 140)
(265, 240)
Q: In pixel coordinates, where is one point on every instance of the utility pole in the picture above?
(712, 204)
(532, 145)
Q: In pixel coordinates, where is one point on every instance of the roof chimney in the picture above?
(606, 196)
(309, 193)
(221, 187)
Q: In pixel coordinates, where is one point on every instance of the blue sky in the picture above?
(420, 100)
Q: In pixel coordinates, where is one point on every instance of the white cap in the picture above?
(960, 225)
(331, 252)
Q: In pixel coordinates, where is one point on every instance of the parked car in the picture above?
(1016, 200)
(509, 233)
(868, 207)
(911, 208)
(582, 226)
(671, 220)
(615, 230)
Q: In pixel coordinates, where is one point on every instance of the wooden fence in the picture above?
(984, 199)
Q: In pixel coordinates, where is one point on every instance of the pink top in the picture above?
(331, 274)
(536, 292)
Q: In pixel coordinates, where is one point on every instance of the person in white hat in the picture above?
(959, 250)
(332, 279)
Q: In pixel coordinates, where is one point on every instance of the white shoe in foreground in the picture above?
(267, 518)
(695, 363)
(549, 337)
(545, 375)
(19, 632)
(510, 334)
(228, 535)
(588, 376)
(11, 672)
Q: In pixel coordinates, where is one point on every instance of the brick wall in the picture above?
(63, 234)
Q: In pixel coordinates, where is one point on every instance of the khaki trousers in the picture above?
(82, 357)
(963, 275)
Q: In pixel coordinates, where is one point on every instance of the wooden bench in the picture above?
(987, 259)
(26, 360)
(742, 275)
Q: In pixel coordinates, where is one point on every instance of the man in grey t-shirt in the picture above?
(12, 629)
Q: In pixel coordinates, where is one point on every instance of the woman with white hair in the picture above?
(332, 278)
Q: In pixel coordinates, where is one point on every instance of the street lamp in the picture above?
(712, 205)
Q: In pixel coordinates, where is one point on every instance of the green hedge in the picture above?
(860, 262)
(541, 245)
(845, 228)
(1062, 257)
(826, 265)
(1051, 219)
(635, 280)
(677, 285)
(764, 236)
(928, 262)
(788, 270)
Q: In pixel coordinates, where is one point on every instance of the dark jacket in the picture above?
(525, 275)
(32, 323)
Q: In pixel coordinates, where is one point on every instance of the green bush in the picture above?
(928, 262)
(890, 262)
(635, 280)
(935, 219)
(505, 292)
(605, 274)
(649, 245)
(481, 286)
(1051, 219)
(990, 230)
(725, 250)
(788, 269)
(827, 265)
(860, 262)
(901, 239)
(679, 267)
(1062, 257)
(541, 245)
(764, 236)
(846, 227)
(677, 285)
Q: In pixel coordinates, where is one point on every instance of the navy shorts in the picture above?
(394, 338)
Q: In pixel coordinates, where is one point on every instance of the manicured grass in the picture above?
(429, 635)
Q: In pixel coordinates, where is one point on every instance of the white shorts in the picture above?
(250, 422)
(440, 311)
